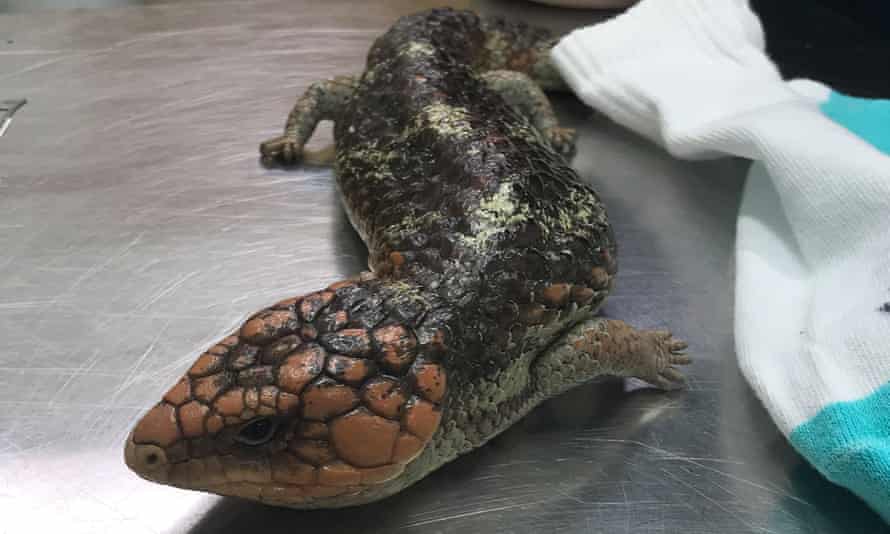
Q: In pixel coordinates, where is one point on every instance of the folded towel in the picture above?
(812, 302)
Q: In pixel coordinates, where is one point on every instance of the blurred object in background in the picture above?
(14, 6)
(843, 43)
(595, 4)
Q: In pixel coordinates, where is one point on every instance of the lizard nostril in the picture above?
(148, 461)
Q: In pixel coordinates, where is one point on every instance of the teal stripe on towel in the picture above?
(867, 118)
(849, 443)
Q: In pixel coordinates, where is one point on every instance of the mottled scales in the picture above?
(489, 260)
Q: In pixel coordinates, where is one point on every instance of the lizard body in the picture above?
(489, 259)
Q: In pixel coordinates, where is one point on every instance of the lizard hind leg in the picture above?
(324, 100)
(524, 95)
(599, 347)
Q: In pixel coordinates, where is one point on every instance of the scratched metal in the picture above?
(136, 226)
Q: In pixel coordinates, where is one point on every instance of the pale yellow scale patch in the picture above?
(567, 220)
(415, 49)
(376, 159)
(412, 224)
(495, 215)
(445, 120)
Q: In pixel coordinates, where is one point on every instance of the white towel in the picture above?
(813, 242)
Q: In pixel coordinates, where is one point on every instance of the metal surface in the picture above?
(7, 110)
(136, 226)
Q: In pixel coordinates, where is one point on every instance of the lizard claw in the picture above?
(677, 347)
(667, 352)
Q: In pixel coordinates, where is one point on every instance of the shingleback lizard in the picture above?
(489, 260)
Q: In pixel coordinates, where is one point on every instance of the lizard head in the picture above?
(318, 401)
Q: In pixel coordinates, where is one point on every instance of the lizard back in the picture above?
(454, 190)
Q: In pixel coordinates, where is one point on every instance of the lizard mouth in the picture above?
(279, 480)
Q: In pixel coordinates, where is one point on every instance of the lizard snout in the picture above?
(148, 461)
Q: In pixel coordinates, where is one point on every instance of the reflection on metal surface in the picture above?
(7, 109)
(136, 226)
(12, 6)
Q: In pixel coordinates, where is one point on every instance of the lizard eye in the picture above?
(257, 432)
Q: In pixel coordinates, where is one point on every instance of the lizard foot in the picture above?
(282, 150)
(562, 140)
(600, 346)
(664, 354)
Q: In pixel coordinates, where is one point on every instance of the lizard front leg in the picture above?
(594, 348)
(524, 95)
(609, 347)
(323, 100)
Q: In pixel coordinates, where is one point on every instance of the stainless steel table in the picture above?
(136, 226)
